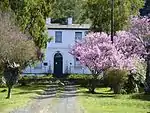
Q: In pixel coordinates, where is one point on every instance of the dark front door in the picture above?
(58, 64)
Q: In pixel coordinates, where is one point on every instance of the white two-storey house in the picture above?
(58, 60)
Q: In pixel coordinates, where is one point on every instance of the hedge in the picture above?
(83, 79)
(24, 80)
(80, 76)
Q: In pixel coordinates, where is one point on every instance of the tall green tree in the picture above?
(31, 16)
(67, 8)
(99, 12)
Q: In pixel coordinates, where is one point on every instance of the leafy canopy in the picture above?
(99, 12)
(31, 16)
(67, 8)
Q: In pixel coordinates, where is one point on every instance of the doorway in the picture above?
(58, 64)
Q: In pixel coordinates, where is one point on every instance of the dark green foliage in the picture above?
(87, 81)
(80, 76)
(79, 79)
(62, 21)
(146, 10)
(128, 82)
(92, 84)
(99, 12)
(134, 83)
(141, 96)
(28, 79)
(62, 9)
(11, 75)
(1, 81)
(31, 16)
(130, 85)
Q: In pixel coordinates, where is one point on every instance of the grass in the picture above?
(20, 97)
(107, 102)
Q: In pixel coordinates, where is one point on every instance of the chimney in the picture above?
(70, 21)
(48, 21)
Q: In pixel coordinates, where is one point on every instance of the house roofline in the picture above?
(68, 28)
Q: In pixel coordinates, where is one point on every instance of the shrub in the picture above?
(27, 79)
(79, 79)
(80, 76)
(84, 80)
(136, 80)
(116, 79)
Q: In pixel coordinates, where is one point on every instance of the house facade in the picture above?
(58, 60)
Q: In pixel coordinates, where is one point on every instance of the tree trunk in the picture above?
(147, 86)
(92, 90)
(9, 93)
(117, 89)
(92, 86)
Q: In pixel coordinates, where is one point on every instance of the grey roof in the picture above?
(69, 27)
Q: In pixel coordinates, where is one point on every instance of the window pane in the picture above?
(78, 35)
(38, 66)
(77, 62)
(77, 59)
(58, 37)
(86, 32)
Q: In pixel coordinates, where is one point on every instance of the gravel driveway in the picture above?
(66, 102)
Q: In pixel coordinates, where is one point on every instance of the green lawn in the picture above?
(107, 102)
(20, 97)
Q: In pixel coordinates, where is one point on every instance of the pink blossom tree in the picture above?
(140, 28)
(97, 52)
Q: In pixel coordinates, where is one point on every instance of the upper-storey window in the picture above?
(78, 35)
(86, 32)
(58, 37)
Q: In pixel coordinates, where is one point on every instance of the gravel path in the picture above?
(66, 102)
(40, 103)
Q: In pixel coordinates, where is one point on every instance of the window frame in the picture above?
(38, 66)
(76, 38)
(77, 62)
(57, 40)
(86, 32)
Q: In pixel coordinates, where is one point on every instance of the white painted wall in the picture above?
(68, 40)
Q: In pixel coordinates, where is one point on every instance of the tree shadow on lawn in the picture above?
(141, 96)
(100, 95)
(27, 89)
(97, 94)
(27, 92)
(109, 94)
(31, 87)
